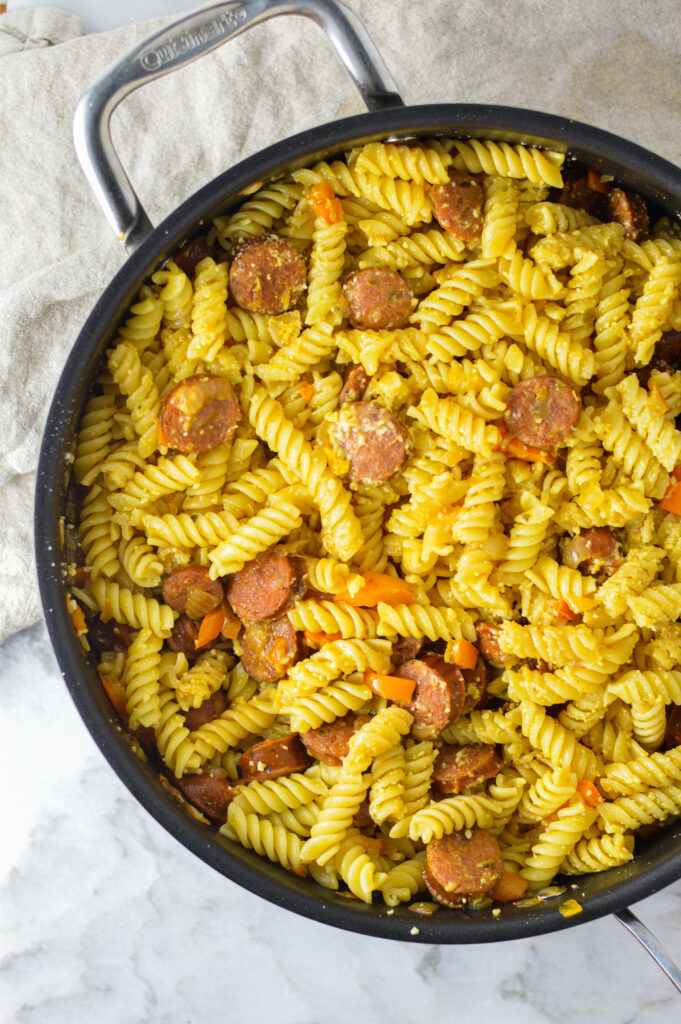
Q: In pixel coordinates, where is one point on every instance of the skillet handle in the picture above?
(651, 945)
(179, 44)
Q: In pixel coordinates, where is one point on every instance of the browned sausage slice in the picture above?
(378, 299)
(211, 709)
(458, 205)
(268, 649)
(210, 792)
(264, 586)
(109, 635)
(462, 865)
(355, 380)
(184, 636)
(272, 758)
(267, 275)
(195, 251)
(476, 685)
(373, 441)
(438, 697)
(672, 736)
(668, 348)
(542, 411)
(577, 192)
(404, 648)
(330, 743)
(593, 551)
(458, 768)
(629, 210)
(199, 413)
(488, 642)
(189, 589)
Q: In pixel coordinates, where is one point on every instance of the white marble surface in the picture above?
(105, 918)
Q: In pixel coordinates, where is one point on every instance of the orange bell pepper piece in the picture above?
(562, 610)
(318, 640)
(378, 589)
(306, 391)
(160, 436)
(672, 499)
(115, 691)
(325, 203)
(595, 183)
(658, 397)
(509, 887)
(517, 449)
(462, 653)
(390, 687)
(589, 793)
(78, 619)
(211, 625)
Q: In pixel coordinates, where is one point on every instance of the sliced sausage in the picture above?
(577, 192)
(542, 411)
(109, 635)
(378, 299)
(488, 643)
(593, 551)
(404, 648)
(629, 210)
(672, 736)
(264, 586)
(363, 820)
(439, 695)
(189, 589)
(184, 636)
(210, 792)
(476, 685)
(272, 758)
(267, 275)
(458, 205)
(355, 381)
(199, 413)
(373, 441)
(330, 743)
(668, 348)
(211, 709)
(458, 768)
(268, 649)
(195, 251)
(462, 865)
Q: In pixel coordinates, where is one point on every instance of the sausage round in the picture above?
(542, 411)
(355, 380)
(267, 275)
(629, 210)
(272, 758)
(439, 695)
(109, 635)
(476, 685)
(184, 636)
(578, 193)
(378, 299)
(263, 587)
(330, 743)
(458, 768)
(458, 205)
(488, 643)
(189, 589)
(199, 413)
(593, 551)
(210, 792)
(373, 441)
(195, 251)
(672, 736)
(458, 868)
(268, 649)
(404, 648)
(211, 709)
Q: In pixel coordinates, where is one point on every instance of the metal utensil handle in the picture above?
(183, 42)
(650, 943)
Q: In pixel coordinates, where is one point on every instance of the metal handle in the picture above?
(179, 44)
(650, 943)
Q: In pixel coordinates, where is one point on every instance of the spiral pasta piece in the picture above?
(268, 840)
(383, 732)
(242, 719)
(420, 620)
(279, 795)
(556, 842)
(483, 155)
(137, 610)
(335, 818)
(141, 680)
(137, 384)
(424, 164)
(328, 617)
(388, 774)
(598, 854)
(453, 814)
(630, 812)
(556, 742)
(254, 535)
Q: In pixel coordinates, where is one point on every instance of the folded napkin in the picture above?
(601, 63)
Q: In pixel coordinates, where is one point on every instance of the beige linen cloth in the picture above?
(612, 64)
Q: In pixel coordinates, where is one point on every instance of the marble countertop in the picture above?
(106, 918)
